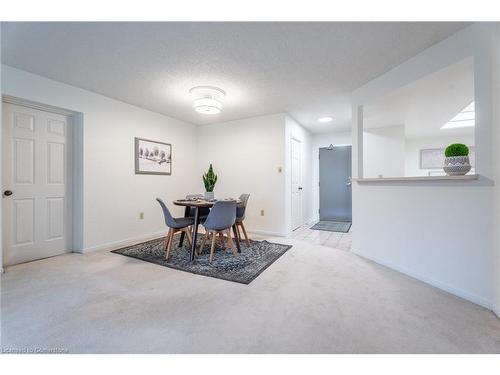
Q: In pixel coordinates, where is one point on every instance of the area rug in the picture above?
(243, 268)
(332, 226)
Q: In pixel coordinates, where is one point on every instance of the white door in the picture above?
(36, 184)
(296, 179)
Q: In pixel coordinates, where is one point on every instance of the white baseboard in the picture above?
(266, 233)
(438, 284)
(122, 243)
(496, 311)
(133, 240)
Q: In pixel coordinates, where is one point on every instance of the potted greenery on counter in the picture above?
(209, 180)
(456, 162)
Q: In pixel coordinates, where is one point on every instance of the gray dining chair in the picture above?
(221, 218)
(240, 216)
(175, 225)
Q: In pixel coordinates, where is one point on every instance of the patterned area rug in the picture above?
(332, 226)
(243, 268)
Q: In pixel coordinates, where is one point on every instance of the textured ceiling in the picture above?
(305, 69)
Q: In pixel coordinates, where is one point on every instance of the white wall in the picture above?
(1, 182)
(320, 141)
(441, 233)
(113, 194)
(384, 151)
(413, 147)
(296, 131)
(247, 155)
(496, 148)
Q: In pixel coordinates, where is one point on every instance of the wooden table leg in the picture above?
(236, 238)
(186, 214)
(195, 232)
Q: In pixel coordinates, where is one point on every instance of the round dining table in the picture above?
(197, 204)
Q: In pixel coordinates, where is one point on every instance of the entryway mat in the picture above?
(332, 226)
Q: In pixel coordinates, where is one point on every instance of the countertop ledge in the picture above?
(420, 178)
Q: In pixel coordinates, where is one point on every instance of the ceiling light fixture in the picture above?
(207, 99)
(325, 119)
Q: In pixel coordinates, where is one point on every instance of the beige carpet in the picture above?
(313, 299)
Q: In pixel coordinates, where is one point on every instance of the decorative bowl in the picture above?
(457, 165)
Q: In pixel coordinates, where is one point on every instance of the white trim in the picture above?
(151, 236)
(435, 283)
(266, 233)
(419, 178)
(496, 311)
(36, 105)
(129, 241)
(75, 136)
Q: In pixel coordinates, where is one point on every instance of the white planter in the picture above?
(209, 195)
(457, 165)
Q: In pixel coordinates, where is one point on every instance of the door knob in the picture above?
(300, 187)
(7, 193)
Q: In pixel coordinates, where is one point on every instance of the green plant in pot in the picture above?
(456, 162)
(209, 180)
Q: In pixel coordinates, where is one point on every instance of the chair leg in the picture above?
(167, 239)
(188, 235)
(237, 226)
(222, 240)
(170, 240)
(214, 235)
(205, 238)
(231, 242)
(245, 233)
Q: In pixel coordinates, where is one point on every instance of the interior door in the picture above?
(296, 179)
(36, 184)
(335, 195)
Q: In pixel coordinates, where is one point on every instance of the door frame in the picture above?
(299, 141)
(76, 142)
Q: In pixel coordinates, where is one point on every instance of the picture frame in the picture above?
(433, 158)
(152, 157)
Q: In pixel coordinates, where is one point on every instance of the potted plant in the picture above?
(456, 162)
(209, 180)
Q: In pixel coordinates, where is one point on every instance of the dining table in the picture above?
(196, 204)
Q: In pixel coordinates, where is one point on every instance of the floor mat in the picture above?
(332, 226)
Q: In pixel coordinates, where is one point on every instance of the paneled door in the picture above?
(296, 183)
(36, 195)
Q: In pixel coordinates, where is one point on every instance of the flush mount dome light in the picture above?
(207, 99)
(325, 119)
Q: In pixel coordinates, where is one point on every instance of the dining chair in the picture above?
(175, 225)
(221, 218)
(240, 216)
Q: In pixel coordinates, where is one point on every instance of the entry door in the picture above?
(335, 196)
(36, 188)
(296, 178)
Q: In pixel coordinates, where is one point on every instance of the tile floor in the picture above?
(336, 240)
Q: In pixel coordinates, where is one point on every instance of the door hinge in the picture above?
(319, 210)
(319, 183)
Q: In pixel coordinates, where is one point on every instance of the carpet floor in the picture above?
(314, 299)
